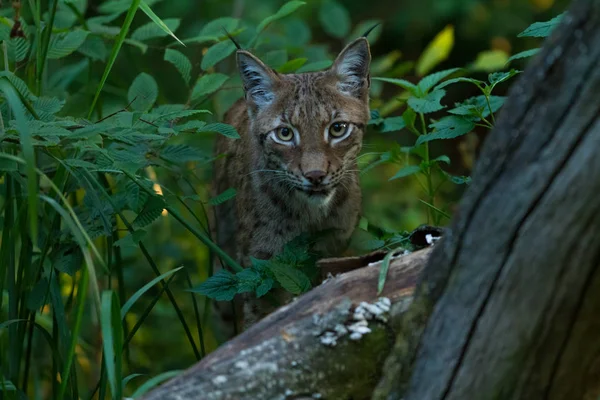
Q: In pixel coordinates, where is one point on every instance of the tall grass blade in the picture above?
(115, 51)
(156, 19)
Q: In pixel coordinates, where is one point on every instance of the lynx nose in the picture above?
(315, 177)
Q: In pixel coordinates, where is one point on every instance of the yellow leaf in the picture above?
(490, 60)
(437, 51)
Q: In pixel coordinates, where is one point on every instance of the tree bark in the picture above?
(514, 286)
(300, 351)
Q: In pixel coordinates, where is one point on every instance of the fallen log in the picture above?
(314, 347)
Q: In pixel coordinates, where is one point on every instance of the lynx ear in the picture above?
(259, 80)
(352, 68)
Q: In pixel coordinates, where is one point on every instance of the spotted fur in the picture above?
(275, 199)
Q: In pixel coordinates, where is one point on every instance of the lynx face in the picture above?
(307, 129)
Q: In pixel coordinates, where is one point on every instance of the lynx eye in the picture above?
(338, 129)
(284, 134)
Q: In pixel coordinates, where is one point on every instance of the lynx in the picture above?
(294, 168)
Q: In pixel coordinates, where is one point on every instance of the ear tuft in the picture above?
(259, 80)
(352, 68)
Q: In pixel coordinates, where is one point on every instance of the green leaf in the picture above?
(131, 240)
(18, 48)
(391, 124)
(143, 92)
(292, 65)
(431, 80)
(458, 180)
(448, 128)
(222, 286)
(94, 48)
(140, 292)
(404, 84)
(248, 280)
(490, 60)
(208, 84)
(67, 259)
(523, 54)
(223, 197)
(284, 11)
(406, 171)
(63, 44)
(542, 29)
(264, 287)
(315, 66)
(159, 22)
(477, 106)
(216, 53)
(151, 30)
(436, 51)
(182, 153)
(151, 211)
(291, 279)
(499, 77)
(223, 129)
(383, 270)
(216, 26)
(429, 103)
(275, 58)
(335, 19)
(181, 62)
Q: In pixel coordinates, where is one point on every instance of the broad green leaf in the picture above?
(315, 66)
(216, 53)
(94, 48)
(216, 26)
(181, 153)
(222, 286)
(264, 287)
(297, 32)
(490, 60)
(151, 30)
(404, 84)
(477, 106)
(18, 48)
(448, 128)
(159, 22)
(223, 197)
(223, 129)
(67, 259)
(150, 212)
(499, 77)
(291, 279)
(406, 171)
(117, 7)
(248, 280)
(391, 124)
(208, 84)
(429, 103)
(181, 62)
(140, 292)
(275, 58)
(291, 66)
(63, 44)
(523, 54)
(335, 19)
(458, 180)
(284, 11)
(143, 92)
(437, 51)
(542, 29)
(431, 80)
